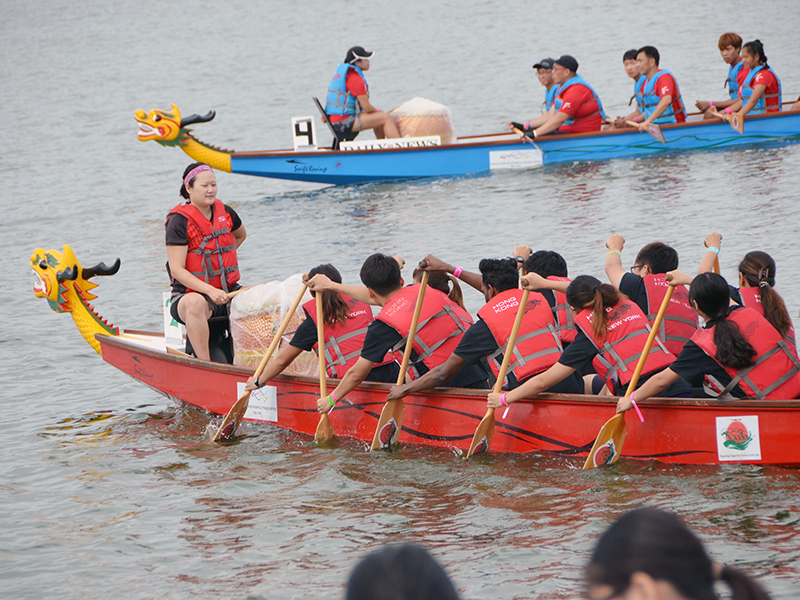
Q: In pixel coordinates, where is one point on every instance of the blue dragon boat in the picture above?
(403, 159)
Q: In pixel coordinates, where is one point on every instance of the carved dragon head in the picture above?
(167, 128)
(62, 280)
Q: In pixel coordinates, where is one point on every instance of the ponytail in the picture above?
(758, 270)
(586, 291)
(742, 585)
(455, 294)
(439, 280)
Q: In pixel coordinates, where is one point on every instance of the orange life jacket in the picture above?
(441, 325)
(775, 372)
(680, 321)
(212, 247)
(620, 349)
(537, 347)
(344, 341)
(751, 298)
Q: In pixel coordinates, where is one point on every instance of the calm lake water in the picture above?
(110, 490)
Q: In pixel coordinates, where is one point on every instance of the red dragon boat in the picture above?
(682, 431)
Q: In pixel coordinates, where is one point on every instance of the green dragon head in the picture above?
(167, 128)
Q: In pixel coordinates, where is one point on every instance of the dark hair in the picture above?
(546, 263)
(404, 572)
(586, 291)
(334, 307)
(630, 55)
(659, 257)
(758, 269)
(439, 280)
(756, 48)
(712, 295)
(650, 52)
(730, 39)
(659, 544)
(381, 274)
(194, 165)
(500, 273)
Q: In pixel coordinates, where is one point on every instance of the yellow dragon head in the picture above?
(167, 128)
(65, 284)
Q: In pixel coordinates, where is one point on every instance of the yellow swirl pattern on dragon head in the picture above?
(169, 128)
(65, 284)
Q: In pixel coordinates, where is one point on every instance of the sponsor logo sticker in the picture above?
(738, 438)
(263, 404)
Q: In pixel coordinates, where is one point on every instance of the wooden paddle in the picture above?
(736, 120)
(231, 421)
(391, 419)
(608, 444)
(528, 139)
(485, 431)
(324, 428)
(716, 265)
(653, 130)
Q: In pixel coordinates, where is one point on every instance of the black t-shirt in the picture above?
(382, 337)
(633, 287)
(306, 336)
(176, 235)
(736, 296)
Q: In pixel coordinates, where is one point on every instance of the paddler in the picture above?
(633, 70)
(344, 329)
(737, 354)
(544, 72)
(202, 236)
(760, 91)
(612, 334)
(661, 94)
(576, 107)
(442, 325)
(645, 286)
(348, 106)
(730, 48)
(538, 346)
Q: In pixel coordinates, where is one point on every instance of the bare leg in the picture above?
(587, 384)
(194, 312)
(376, 120)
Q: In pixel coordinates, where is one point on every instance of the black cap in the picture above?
(355, 53)
(568, 61)
(545, 63)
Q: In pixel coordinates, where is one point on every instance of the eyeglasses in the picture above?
(635, 267)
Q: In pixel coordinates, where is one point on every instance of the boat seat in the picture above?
(337, 137)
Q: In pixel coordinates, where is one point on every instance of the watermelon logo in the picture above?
(387, 433)
(736, 436)
(482, 447)
(605, 454)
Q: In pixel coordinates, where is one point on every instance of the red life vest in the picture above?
(680, 321)
(343, 342)
(210, 242)
(441, 325)
(620, 349)
(775, 372)
(563, 314)
(751, 298)
(537, 347)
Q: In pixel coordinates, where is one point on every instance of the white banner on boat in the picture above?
(409, 142)
(738, 438)
(514, 159)
(263, 405)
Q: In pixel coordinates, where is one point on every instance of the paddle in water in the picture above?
(608, 443)
(391, 419)
(230, 423)
(654, 130)
(485, 431)
(325, 429)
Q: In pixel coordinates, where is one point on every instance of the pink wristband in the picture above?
(636, 406)
(457, 272)
(503, 400)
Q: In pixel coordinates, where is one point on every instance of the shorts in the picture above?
(217, 310)
(346, 126)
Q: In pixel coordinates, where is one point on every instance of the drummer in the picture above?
(202, 237)
(348, 105)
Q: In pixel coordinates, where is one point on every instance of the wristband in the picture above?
(332, 399)
(527, 125)
(503, 400)
(710, 104)
(259, 385)
(636, 119)
(714, 249)
(457, 272)
(728, 110)
(615, 250)
(638, 412)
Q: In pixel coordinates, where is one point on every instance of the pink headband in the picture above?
(193, 173)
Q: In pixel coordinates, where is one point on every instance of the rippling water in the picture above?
(109, 490)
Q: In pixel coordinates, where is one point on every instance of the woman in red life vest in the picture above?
(756, 286)
(738, 353)
(345, 326)
(650, 553)
(612, 332)
(202, 236)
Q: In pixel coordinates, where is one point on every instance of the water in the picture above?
(109, 490)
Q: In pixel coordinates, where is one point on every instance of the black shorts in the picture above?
(217, 310)
(345, 126)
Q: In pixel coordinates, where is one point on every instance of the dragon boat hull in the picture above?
(682, 431)
(481, 154)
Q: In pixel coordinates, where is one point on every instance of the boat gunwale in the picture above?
(708, 403)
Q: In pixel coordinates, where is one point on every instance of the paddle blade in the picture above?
(737, 122)
(231, 421)
(325, 429)
(655, 131)
(389, 425)
(483, 434)
(608, 445)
